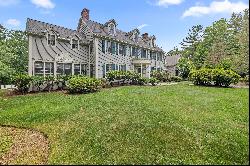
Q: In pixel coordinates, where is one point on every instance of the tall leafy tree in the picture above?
(191, 42)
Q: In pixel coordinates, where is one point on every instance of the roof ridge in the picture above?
(50, 24)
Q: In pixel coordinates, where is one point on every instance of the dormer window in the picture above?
(112, 29)
(75, 44)
(51, 39)
(136, 37)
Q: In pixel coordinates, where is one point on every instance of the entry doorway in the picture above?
(140, 69)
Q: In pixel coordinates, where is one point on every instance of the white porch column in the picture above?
(148, 71)
(141, 69)
(73, 71)
(55, 69)
(89, 62)
(96, 56)
(30, 64)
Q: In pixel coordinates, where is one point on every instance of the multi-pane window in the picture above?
(113, 47)
(122, 67)
(136, 37)
(42, 68)
(64, 68)
(109, 46)
(110, 67)
(124, 50)
(103, 46)
(120, 49)
(77, 69)
(135, 52)
(80, 69)
(116, 49)
(143, 53)
(51, 39)
(49, 68)
(39, 68)
(84, 69)
(74, 44)
(159, 56)
(153, 55)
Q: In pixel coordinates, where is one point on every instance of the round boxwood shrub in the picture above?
(82, 84)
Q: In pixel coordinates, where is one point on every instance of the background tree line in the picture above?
(224, 44)
(13, 53)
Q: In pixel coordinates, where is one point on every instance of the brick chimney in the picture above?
(145, 36)
(85, 14)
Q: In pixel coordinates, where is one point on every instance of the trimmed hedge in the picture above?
(218, 77)
(161, 76)
(82, 84)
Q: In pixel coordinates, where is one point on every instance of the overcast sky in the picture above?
(168, 20)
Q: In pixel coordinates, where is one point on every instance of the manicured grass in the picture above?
(177, 124)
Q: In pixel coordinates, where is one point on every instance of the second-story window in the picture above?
(112, 29)
(103, 46)
(51, 39)
(113, 47)
(143, 53)
(136, 37)
(74, 44)
(120, 49)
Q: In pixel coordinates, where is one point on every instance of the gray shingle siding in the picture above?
(90, 35)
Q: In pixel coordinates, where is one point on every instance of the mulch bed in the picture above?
(29, 147)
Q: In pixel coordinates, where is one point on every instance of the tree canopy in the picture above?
(224, 44)
(13, 52)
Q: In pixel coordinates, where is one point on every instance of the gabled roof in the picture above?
(102, 30)
(172, 60)
(40, 28)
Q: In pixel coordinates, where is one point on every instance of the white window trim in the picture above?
(78, 43)
(48, 39)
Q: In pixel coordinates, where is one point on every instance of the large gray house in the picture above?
(92, 49)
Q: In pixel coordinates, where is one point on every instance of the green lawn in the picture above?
(177, 124)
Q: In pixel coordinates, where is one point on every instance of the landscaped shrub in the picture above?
(245, 79)
(62, 80)
(176, 79)
(38, 81)
(201, 77)
(22, 82)
(161, 76)
(218, 76)
(142, 81)
(153, 81)
(82, 84)
(50, 80)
